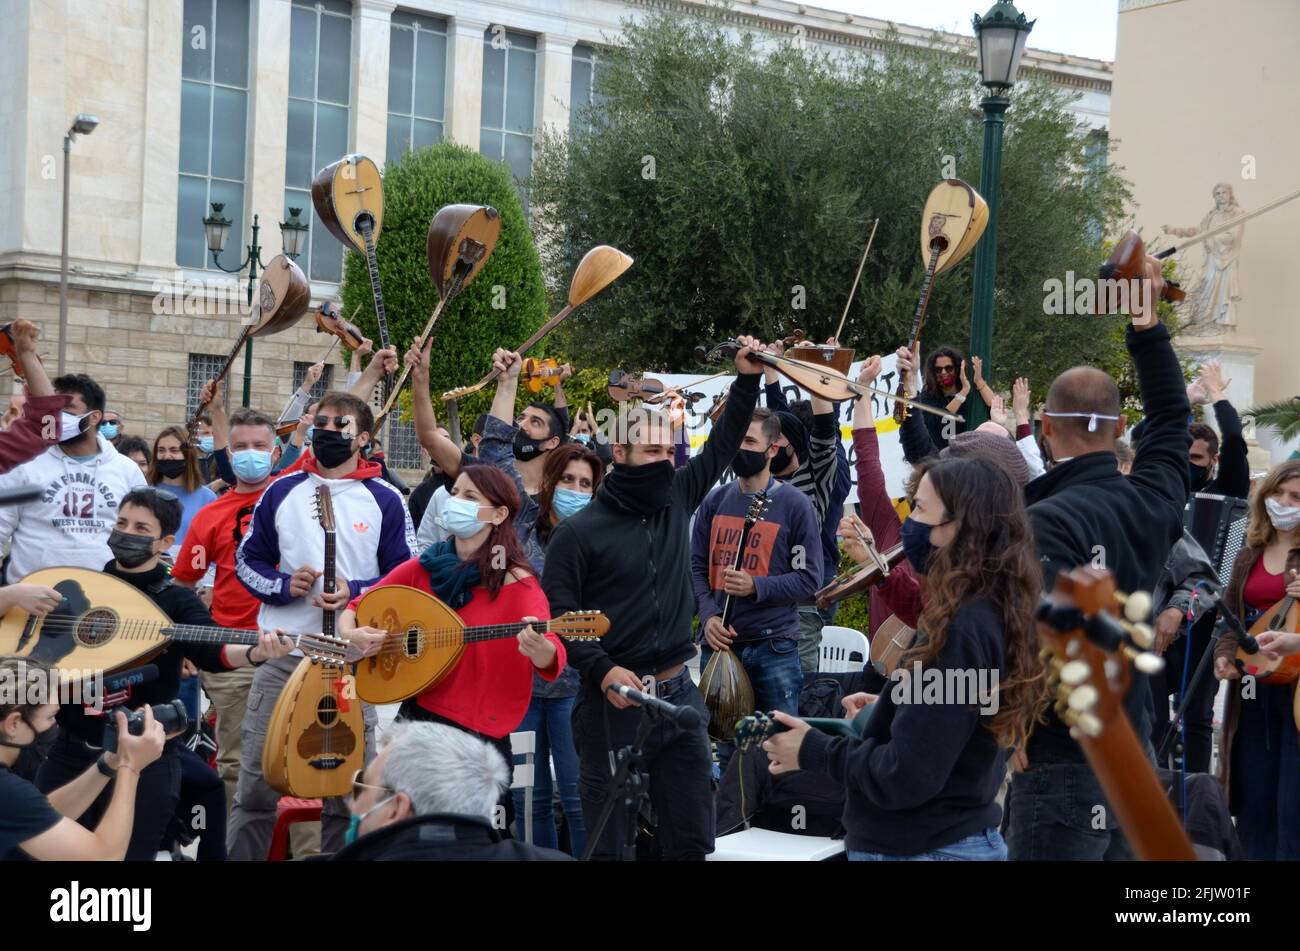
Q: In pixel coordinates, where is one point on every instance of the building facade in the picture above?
(240, 102)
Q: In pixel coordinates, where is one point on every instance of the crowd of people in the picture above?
(541, 512)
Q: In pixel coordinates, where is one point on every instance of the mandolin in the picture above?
(349, 198)
(1088, 650)
(103, 624)
(315, 739)
(281, 299)
(599, 268)
(951, 223)
(1283, 669)
(427, 638)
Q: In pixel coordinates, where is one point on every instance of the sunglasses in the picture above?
(358, 785)
(320, 421)
(944, 369)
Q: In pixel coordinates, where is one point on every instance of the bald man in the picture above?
(1085, 512)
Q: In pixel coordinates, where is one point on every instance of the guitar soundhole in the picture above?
(413, 641)
(327, 712)
(96, 627)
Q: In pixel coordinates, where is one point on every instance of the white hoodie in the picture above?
(71, 521)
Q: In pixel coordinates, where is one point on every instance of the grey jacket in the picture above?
(1186, 566)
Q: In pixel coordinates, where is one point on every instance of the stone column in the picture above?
(162, 121)
(554, 76)
(465, 79)
(370, 35)
(269, 120)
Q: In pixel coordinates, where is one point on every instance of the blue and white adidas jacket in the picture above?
(373, 535)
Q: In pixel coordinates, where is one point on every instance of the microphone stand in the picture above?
(629, 787)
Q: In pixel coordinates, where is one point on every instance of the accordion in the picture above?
(1218, 523)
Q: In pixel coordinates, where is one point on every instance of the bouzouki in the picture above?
(1088, 650)
(427, 638)
(103, 624)
(1283, 669)
(953, 220)
(281, 298)
(460, 241)
(599, 268)
(315, 739)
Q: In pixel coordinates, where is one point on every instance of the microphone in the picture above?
(685, 717)
(1228, 619)
(117, 687)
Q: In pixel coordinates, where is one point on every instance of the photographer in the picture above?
(147, 521)
(42, 827)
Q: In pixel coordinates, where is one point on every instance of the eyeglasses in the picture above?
(320, 421)
(358, 785)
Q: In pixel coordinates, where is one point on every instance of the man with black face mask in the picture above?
(627, 554)
(146, 525)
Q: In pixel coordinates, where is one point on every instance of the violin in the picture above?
(328, 321)
(1126, 264)
(862, 576)
(9, 349)
(537, 374)
(719, 404)
(624, 386)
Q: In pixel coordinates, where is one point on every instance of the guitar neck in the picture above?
(329, 583)
(373, 263)
(729, 605)
(496, 632)
(196, 634)
(225, 368)
(528, 344)
(918, 319)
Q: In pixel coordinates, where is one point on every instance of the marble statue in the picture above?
(1212, 305)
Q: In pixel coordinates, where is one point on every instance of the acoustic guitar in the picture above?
(281, 299)
(1088, 650)
(427, 639)
(315, 739)
(103, 624)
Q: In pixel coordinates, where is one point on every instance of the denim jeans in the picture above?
(551, 719)
(1056, 812)
(986, 846)
(774, 672)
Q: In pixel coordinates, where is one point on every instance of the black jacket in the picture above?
(442, 838)
(637, 569)
(1233, 477)
(1085, 512)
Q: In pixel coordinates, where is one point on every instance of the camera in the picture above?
(172, 716)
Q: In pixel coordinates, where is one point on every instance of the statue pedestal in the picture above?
(1237, 354)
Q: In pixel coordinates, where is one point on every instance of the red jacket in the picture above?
(489, 689)
(26, 437)
(900, 593)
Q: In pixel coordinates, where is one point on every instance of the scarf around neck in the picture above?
(451, 579)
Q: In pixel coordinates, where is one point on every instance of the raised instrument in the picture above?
(281, 298)
(951, 223)
(535, 375)
(599, 268)
(460, 241)
(103, 624)
(1088, 649)
(824, 382)
(625, 386)
(427, 638)
(863, 575)
(1283, 616)
(9, 350)
(1126, 263)
(328, 321)
(349, 198)
(315, 738)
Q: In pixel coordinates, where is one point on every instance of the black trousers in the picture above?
(202, 807)
(678, 763)
(156, 795)
(1181, 660)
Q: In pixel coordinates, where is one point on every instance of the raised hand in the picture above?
(965, 381)
(312, 376)
(212, 395)
(26, 335)
(998, 410)
(507, 362)
(1211, 378)
(1020, 400)
(869, 372)
(744, 363)
(978, 366)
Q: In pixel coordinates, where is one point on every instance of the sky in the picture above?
(1078, 27)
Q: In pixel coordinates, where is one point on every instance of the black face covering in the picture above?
(331, 448)
(130, 551)
(1200, 476)
(640, 490)
(526, 448)
(748, 462)
(781, 461)
(171, 468)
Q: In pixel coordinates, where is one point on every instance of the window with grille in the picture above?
(204, 367)
(402, 450)
(322, 385)
(582, 88)
(320, 96)
(417, 83)
(214, 125)
(509, 92)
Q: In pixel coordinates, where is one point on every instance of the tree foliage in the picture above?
(741, 176)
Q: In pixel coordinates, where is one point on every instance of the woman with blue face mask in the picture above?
(175, 467)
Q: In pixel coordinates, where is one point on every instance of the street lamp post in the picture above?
(216, 228)
(1001, 35)
(83, 124)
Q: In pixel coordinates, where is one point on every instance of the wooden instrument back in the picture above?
(344, 192)
(283, 296)
(839, 359)
(955, 215)
(315, 739)
(461, 234)
(420, 662)
(1283, 616)
(1126, 263)
(891, 641)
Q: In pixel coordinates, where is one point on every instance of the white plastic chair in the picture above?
(763, 845)
(525, 745)
(838, 646)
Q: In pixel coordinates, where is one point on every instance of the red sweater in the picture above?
(900, 593)
(489, 689)
(33, 432)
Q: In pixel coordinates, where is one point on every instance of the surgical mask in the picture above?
(1283, 517)
(1090, 417)
(70, 426)
(333, 448)
(131, 551)
(205, 444)
(460, 517)
(526, 448)
(354, 824)
(568, 502)
(251, 465)
(108, 430)
(748, 462)
(171, 468)
(916, 544)
(584, 438)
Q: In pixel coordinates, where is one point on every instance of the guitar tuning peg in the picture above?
(1088, 725)
(1143, 635)
(1148, 663)
(1074, 673)
(1083, 699)
(1137, 606)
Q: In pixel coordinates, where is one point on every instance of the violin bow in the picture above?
(1227, 226)
(861, 264)
(678, 389)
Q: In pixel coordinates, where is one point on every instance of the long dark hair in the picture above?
(498, 489)
(992, 557)
(190, 478)
(931, 383)
(556, 462)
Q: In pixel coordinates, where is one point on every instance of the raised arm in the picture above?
(385, 361)
(1234, 465)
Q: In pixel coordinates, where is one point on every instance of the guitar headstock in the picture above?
(758, 508)
(324, 506)
(328, 651)
(754, 729)
(1088, 646)
(580, 625)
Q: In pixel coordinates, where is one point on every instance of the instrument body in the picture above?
(624, 386)
(331, 323)
(1283, 616)
(839, 359)
(429, 639)
(891, 641)
(1126, 263)
(9, 351)
(862, 576)
(535, 375)
(1087, 652)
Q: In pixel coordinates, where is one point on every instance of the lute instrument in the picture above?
(1282, 669)
(952, 222)
(315, 738)
(281, 299)
(427, 639)
(103, 623)
(599, 268)
(1088, 650)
